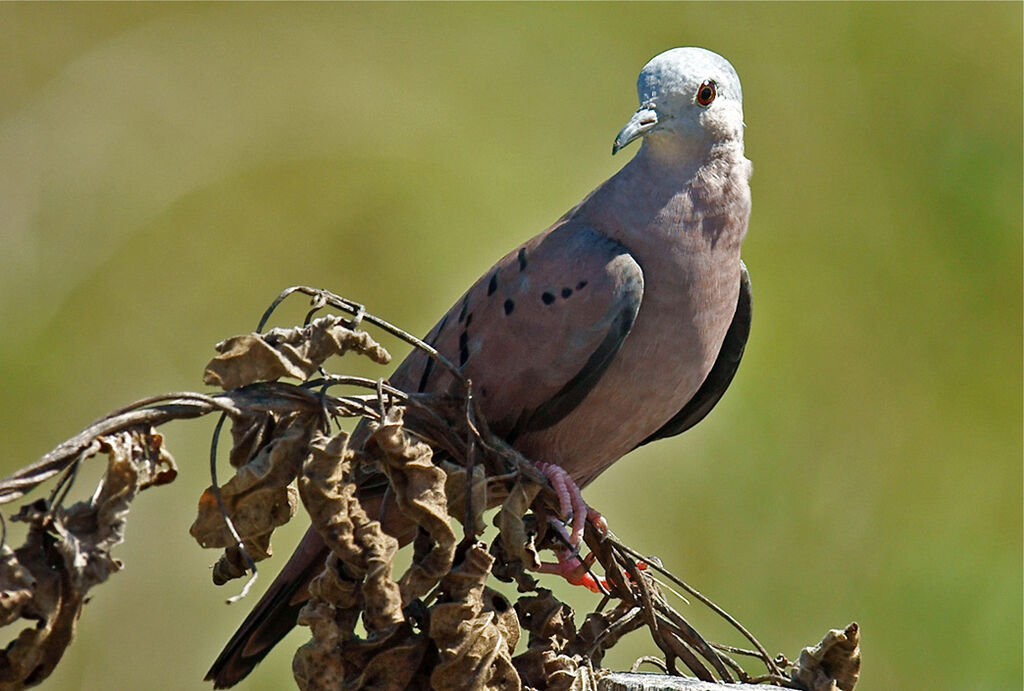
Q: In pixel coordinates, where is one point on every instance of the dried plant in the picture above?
(439, 624)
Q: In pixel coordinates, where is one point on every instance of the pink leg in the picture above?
(570, 501)
(570, 566)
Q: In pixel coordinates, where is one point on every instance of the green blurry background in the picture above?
(166, 169)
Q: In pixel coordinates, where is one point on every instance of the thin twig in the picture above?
(357, 310)
(215, 487)
(694, 639)
(765, 657)
(613, 630)
(650, 660)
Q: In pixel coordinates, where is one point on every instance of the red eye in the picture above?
(706, 93)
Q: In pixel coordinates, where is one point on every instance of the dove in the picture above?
(622, 323)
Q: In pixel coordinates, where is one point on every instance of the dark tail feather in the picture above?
(272, 617)
(278, 610)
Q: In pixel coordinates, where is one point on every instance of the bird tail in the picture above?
(272, 617)
(278, 610)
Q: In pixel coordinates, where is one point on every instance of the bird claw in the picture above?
(570, 566)
(598, 521)
(570, 500)
(574, 569)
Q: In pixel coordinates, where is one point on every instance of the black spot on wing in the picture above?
(630, 293)
(509, 306)
(547, 298)
(581, 285)
(428, 368)
(522, 258)
(492, 285)
(463, 348)
(465, 304)
(469, 319)
(722, 372)
(426, 375)
(566, 292)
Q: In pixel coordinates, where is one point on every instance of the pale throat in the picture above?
(678, 154)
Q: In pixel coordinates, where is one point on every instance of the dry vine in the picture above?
(439, 625)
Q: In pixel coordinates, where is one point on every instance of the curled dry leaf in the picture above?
(336, 658)
(67, 552)
(250, 432)
(53, 603)
(296, 352)
(17, 585)
(360, 544)
(257, 498)
(832, 664)
(355, 583)
(505, 617)
(550, 660)
(510, 569)
(517, 542)
(419, 487)
(455, 490)
(472, 638)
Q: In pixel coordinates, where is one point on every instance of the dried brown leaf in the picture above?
(16, 586)
(366, 550)
(517, 542)
(546, 618)
(54, 607)
(473, 648)
(395, 665)
(455, 489)
(510, 570)
(90, 529)
(249, 433)
(67, 552)
(254, 513)
(335, 658)
(419, 487)
(257, 498)
(547, 662)
(296, 352)
(505, 615)
(544, 668)
(832, 664)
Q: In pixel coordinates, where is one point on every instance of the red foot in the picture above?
(573, 569)
(577, 571)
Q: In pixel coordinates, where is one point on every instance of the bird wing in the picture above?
(722, 372)
(536, 332)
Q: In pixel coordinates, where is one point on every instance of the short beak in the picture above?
(642, 121)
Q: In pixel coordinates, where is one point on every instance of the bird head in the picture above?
(690, 100)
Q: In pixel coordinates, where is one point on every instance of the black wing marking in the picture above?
(629, 294)
(722, 372)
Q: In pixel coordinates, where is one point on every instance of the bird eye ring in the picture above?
(706, 93)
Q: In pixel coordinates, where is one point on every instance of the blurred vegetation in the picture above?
(166, 169)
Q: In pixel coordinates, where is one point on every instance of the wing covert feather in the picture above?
(537, 331)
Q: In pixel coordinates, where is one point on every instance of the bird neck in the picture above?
(677, 160)
(653, 187)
